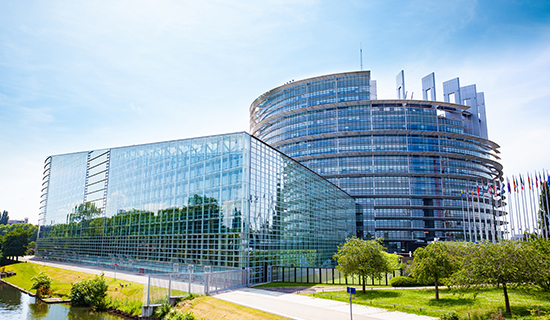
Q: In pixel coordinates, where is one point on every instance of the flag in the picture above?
(515, 184)
(460, 194)
(509, 189)
(529, 181)
(477, 186)
(521, 180)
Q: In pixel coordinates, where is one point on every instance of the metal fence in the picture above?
(167, 287)
(322, 276)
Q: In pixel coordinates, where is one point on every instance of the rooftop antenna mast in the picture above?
(361, 54)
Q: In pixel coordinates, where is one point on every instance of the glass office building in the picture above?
(225, 201)
(406, 162)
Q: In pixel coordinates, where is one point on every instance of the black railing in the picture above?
(325, 276)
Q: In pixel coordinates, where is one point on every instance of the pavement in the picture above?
(111, 273)
(305, 308)
(286, 304)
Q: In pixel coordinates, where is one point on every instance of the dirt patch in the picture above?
(212, 308)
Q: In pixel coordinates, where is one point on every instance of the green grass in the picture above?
(480, 306)
(127, 298)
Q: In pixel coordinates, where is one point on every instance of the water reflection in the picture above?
(16, 305)
(38, 310)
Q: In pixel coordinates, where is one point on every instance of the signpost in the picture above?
(351, 291)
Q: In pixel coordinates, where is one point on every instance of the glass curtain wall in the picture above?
(407, 163)
(226, 201)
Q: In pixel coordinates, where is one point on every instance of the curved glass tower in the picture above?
(418, 169)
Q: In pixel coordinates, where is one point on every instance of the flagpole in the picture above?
(510, 205)
(468, 211)
(463, 220)
(479, 214)
(500, 211)
(518, 214)
(533, 206)
(525, 213)
(492, 201)
(474, 217)
(485, 212)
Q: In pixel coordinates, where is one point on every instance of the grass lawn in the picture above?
(127, 298)
(481, 306)
(212, 308)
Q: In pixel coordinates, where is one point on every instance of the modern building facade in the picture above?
(407, 163)
(225, 201)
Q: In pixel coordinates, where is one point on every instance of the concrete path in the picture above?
(120, 274)
(305, 308)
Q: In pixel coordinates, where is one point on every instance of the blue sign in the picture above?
(351, 290)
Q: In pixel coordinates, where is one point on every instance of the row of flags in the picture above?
(515, 206)
(517, 184)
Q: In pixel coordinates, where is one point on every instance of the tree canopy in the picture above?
(433, 263)
(15, 243)
(504, 263)
(365, 258)
(4, 218)
(540, 248)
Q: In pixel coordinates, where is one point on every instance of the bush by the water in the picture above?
(90, 293)
(403, 282)
(42, 284)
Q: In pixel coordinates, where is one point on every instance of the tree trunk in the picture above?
(364, 280)
(506, 299)
(436, 290)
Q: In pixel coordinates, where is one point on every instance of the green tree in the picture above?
(90, 293)
(365, 258)
(433, 263)
(544, 207)
(42, 283)
(504, 263)
(32, 228)
(15, 243)
(541, 254)
(4, 218)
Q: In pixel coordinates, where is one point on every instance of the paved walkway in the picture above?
(305, 308)
(288, 305)
(120, 274)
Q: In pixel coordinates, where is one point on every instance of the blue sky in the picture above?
(82, 75)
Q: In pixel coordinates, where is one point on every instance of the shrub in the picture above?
(90, 293)
(42, 284)
(129, 306)
(403, 282)
(177, 315)
(449, 316)
(162, 311)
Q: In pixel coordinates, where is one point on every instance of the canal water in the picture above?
(15, 305)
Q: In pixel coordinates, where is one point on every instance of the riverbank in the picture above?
(122, 294)
(16, 304)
